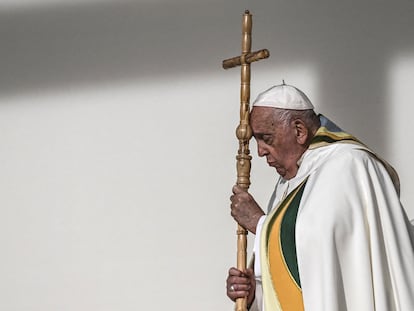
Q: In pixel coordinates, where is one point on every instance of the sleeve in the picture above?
(256, 247)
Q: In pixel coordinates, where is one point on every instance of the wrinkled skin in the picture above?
(283, 146)
(244, 209)
(243, 283)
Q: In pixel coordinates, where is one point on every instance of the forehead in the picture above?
(262, 119)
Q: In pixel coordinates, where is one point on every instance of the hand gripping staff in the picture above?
(243, 131)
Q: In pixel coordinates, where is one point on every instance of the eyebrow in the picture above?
(260, 135)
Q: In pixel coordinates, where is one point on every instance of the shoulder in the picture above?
(340, 186)
(345, 169)
(335, 158)
(355, 165)
(348, 185)
(348, 152)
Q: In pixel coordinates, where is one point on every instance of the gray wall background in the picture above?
(117, 152)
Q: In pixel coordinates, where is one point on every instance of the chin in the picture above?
(281, 172)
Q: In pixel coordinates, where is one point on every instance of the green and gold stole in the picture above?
(280, 274)
(329, 133)
(325, 136)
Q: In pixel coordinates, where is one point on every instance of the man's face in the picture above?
(275, 141)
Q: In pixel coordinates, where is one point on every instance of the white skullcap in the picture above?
(284, 97)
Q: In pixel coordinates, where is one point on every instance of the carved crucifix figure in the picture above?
(244, 132)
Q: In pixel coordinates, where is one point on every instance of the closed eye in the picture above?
(266, 138)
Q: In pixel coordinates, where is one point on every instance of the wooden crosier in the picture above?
(243, 131)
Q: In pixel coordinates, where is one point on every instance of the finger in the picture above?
(235, 295)
(239, 287)
(237, 189)
(235, 272)
(237, 291)
(238, 280)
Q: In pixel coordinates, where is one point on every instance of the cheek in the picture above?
(282, 155)
(275, 154)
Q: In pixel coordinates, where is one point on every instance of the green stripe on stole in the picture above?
(288, 235)
(288, 225)
(291, 205)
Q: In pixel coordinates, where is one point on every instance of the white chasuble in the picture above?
(353, 243)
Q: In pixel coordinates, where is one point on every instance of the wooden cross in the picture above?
(243, 131)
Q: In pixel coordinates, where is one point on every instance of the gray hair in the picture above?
(286, 116)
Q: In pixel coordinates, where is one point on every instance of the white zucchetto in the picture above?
(284, 97)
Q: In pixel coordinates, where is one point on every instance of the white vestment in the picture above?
(354, 242)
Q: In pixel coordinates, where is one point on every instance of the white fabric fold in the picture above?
(354, 241)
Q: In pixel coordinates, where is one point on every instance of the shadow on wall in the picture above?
(82, 44)
(91, 44)
(352, 48)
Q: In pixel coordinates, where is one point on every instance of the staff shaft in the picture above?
(244, 132)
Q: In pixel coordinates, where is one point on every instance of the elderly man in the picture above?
(335, 236)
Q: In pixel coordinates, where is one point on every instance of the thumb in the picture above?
(238, 189)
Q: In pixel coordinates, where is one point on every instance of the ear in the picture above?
(301, 132)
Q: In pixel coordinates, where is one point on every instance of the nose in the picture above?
(261, 149)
